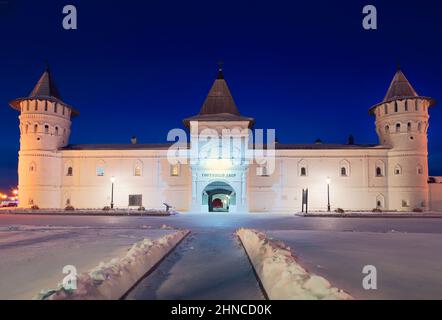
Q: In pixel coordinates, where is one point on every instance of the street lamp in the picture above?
(328, 180)
(112, 179)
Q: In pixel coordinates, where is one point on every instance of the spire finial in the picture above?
(220, 70)
(47, 64)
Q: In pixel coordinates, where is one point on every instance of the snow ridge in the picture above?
(282, 277)
(111, 280)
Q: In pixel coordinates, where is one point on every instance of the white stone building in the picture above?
(392, 175)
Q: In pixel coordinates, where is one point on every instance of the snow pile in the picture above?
(281, 275)
(111, 280)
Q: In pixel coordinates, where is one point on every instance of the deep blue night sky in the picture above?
(306, 68)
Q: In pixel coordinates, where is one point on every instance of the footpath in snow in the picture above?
(207, 265)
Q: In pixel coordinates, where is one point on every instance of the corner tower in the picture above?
(402, 123)
(45, 126)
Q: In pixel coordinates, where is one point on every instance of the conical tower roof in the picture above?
(45, 89)
(400, 88)
(219, 104)
(219, 99)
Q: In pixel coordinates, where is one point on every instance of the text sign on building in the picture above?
(218, 175)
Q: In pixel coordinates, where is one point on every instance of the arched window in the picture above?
(302, 168)
(138, 168)
(27, 105)
(419, 169)
(409, 127)
(55, 107)
(396, 109)
(46, 129)
(35, 128)
(398, 127)
(386, 108)
(175, 170)
(100, 169)
(27, 128)
(46, 105)
(406, 105)
(36, 105)
(416, 105)
(387, 129)
(344, 166)
(380, 201)
(397, 170)
(70, 172)
(380, 168)
(56, 131)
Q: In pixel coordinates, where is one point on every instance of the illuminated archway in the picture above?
(219, 196)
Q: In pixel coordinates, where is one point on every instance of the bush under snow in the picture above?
(281, 275)
(111, 280)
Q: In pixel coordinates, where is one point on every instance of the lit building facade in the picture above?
(391, 175)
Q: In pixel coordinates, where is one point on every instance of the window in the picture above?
(419, 127)
(27, 128)
(420, 170)
(70, 172)
(398, 127)
(36, 105)
(416, 105)
(138, 168)
(397, 170)
(55, 107)
(344, 168)
(36, 128)
(409, 127)
(262, 171)
(343, 172)
(46, 105)
(386, 108)
(387, 129)
(406, 105)
(135, 200)
(100, 171)
(303, 172)
(302, 168)
(64, 109)
(379, 172)
(46, 129)
(396, 109)
(405, 203)
(56, 131)
(27, 105)
(32, 167)
(380, 201)
(175, 170)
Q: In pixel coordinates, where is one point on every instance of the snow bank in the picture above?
(111, 280)
(281, 275)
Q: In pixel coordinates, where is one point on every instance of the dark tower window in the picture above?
(36, 128)
(70, 172)
(56, 131)
(386, 109)
(55, 107)
(379, 172)
(398, 127)
(46, 129)
(406, 105)
(396, 109)
(416, 105)
(409, 126)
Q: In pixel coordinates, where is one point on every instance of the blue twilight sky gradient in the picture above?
(306, 68)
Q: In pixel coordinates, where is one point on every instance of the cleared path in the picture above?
(207, 265)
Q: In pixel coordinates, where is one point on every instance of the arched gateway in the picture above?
(219, 197)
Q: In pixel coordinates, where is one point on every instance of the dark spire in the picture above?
(220, 70)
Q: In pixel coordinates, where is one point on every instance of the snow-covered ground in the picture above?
(32, 258)
(405, 251)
